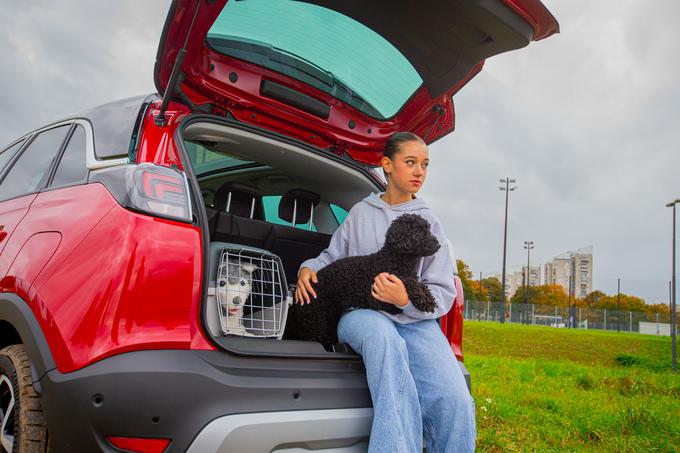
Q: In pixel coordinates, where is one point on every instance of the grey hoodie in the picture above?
(363, 233)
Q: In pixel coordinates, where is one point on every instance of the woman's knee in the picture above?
(364, 327)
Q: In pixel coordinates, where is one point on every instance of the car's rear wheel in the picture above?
(22, 423)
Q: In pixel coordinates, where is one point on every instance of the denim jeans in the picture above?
(417, 387)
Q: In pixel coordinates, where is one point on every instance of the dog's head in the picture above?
(410, 234)
(236, 287)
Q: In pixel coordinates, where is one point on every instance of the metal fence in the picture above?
(577, 317)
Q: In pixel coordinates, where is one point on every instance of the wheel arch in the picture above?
(18, 324)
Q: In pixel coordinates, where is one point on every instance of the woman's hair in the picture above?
(395, 141)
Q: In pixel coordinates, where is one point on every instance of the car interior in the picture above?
(269, 194)
(272, 195)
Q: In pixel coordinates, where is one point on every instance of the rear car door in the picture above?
(22, 179)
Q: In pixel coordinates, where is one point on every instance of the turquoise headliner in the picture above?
(355, 55)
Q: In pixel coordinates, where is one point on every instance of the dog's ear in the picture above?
(411, 234)
(250, 267)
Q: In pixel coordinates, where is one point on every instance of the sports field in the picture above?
(547, 389)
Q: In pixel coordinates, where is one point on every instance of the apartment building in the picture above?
(576, 264)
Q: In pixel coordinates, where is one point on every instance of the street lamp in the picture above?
(673, 289)
(529, 245)
(506, 189)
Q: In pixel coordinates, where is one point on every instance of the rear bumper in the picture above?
(186, 396)
(208, 401)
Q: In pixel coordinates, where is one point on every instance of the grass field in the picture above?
(546, 389)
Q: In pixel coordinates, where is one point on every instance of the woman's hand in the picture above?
(390, 289)
(304, 285)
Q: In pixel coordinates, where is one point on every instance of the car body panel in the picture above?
(131, 283)
(11, 213)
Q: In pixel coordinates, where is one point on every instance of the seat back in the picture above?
(291, 244)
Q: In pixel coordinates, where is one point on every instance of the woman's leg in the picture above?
(447, 407)
(397, 421)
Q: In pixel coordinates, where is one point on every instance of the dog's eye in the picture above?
(243, 282)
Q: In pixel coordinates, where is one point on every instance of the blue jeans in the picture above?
(417, 387)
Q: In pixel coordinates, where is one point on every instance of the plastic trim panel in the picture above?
(323, 431)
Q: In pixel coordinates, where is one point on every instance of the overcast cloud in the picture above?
(586, 121)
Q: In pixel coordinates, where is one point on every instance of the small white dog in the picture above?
(233, 292)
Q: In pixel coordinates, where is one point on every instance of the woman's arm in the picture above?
(437, 274)
(337, 248)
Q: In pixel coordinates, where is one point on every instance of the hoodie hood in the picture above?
(415, 205)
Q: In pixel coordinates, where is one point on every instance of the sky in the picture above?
(587, 122)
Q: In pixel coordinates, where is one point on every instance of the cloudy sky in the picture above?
(586, 121)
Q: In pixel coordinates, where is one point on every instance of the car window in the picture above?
(271, 213)
(205, 161)
(29, 171)
(7, 154)
(72, 168)
(339, 213)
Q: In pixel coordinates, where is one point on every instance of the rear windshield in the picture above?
(320, 47)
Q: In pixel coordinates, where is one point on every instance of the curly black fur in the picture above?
(347, 282)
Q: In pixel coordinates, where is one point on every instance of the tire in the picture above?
(22, 423)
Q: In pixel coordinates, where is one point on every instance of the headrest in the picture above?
(237, 198)
(300, 202)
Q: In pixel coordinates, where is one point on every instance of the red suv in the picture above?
(115, 224)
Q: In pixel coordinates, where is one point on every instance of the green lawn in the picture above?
(546, 389)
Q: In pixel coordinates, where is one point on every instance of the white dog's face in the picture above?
(235, 288)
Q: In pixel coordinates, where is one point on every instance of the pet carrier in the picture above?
(249, 293)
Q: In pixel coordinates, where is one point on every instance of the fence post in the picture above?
(579, 316)
(605, 319)
(487, 310)
(510, 317)
(630, 323)
(532, 314)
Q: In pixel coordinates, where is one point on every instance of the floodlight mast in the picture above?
(507, 189)
(528, 245)
(673, 291)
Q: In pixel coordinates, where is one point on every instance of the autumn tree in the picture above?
(492, 286)
(471, 287)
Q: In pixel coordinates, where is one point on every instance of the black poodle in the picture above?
(347, 282)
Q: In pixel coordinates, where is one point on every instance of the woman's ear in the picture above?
(386, 164)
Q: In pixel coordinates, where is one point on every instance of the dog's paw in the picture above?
(423, 300)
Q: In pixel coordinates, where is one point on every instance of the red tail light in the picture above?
(159, 190)
(139, 444)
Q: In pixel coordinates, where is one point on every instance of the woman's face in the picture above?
(408, 167)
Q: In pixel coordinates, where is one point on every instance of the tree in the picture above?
(492, 286)
(471, 287)
(594, 297)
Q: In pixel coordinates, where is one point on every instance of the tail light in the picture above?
(148, 188)
(159, 191)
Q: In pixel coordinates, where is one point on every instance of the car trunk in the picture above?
(256, 156)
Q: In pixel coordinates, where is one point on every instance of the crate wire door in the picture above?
(251, 300)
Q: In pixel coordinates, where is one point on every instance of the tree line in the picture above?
(553, 295)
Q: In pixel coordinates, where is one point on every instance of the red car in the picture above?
(121, 227)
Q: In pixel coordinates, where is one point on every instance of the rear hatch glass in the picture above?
(321, 48)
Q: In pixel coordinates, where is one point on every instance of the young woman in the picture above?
(416, 385)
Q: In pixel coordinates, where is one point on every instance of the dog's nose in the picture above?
(236, 300)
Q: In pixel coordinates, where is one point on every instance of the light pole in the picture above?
(507, 189)
(618, 305)
(529, 245)
(673, 290)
